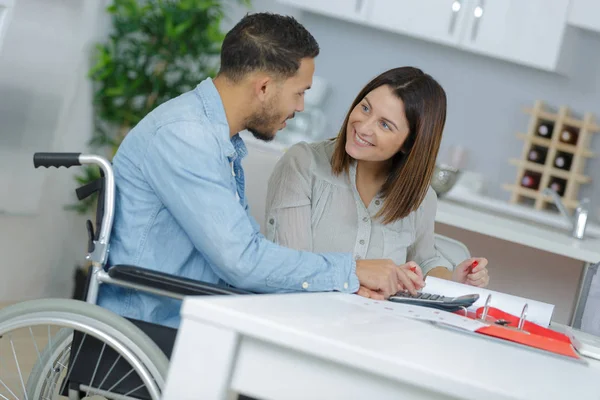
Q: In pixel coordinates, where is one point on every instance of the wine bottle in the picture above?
(569, 135)
(544, 129)
(558, 185)
(563, 161)
(537, 154)
(531, 180)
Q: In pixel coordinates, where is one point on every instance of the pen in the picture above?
(475, 263)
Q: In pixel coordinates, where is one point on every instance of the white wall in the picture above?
(45, 105)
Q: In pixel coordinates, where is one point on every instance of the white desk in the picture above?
(326, 346)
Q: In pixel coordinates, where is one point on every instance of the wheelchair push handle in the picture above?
(56, 160)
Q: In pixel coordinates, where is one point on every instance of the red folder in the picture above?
(530, 333)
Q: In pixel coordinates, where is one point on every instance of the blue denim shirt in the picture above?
(181, 209)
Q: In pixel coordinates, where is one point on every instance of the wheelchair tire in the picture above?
(124, 337)
(43, 378)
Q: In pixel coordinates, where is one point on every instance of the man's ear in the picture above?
(262, 86)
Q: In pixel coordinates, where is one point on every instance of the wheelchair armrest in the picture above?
(169, 283)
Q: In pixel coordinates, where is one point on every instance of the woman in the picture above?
(367, 191)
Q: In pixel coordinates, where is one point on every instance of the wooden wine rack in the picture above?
(547, 171)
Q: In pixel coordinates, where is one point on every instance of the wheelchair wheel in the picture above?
(46, 374)
(47, 346)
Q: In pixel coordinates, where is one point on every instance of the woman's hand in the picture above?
(472, 272)
(410, 278)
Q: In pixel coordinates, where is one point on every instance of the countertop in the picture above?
(524, 232)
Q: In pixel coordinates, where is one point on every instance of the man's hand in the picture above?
(472, 271)
(379, 279)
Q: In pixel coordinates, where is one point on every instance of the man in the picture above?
(180, 202)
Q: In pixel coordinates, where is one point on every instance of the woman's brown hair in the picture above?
(412, 167)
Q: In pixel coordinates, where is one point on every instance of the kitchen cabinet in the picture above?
(5, 13)
(350, 10)
(532, 32)
(585, 14)
(436, 20)
(527, 32)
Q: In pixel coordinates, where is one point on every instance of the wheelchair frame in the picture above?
(132, 277)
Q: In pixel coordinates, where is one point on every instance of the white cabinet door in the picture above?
(5, 13)
(436, 20)
(527, 32)
(351, 10)
(585, 14)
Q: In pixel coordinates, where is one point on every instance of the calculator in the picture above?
(435, 301)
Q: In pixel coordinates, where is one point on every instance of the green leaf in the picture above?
(184, 34)
(114, 91)
(181, 28)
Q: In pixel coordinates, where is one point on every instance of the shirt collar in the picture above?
(352, 178)
(241, 150)
(214, 110)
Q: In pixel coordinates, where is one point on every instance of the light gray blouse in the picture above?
(309, 208)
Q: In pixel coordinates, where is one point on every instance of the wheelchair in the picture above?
(73, 349)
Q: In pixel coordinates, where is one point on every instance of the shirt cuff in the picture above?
(434, 262)
(347, 280)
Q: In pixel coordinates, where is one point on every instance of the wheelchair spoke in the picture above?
(135, 390)
(60, 366)
(120, 380)
(37, 350)
(7, 388)
(96, 368)
(49, 338)
(62, 387)
(12, 345)
(109, 371)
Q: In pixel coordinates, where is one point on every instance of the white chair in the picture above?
(451, 249)
(258, 166)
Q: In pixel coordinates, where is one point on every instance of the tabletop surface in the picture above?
(372, 336)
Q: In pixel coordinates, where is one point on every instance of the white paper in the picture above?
(537, 312)
(400, 310)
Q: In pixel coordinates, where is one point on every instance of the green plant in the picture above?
(158, 49)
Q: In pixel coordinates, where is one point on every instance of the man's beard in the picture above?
(260, 134)
(264, 124)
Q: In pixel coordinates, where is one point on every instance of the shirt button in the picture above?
(377, 202)
(361, 241)
(271, 221)
(345, 285)
(365, 219)
(305, 285)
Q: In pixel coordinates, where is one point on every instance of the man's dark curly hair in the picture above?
(266, 42)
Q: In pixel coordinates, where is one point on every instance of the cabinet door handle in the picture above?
(477, 14)
(456, 6)
(359, 5)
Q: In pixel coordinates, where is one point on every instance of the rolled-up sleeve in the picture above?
(193, 181)
(423, 250)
